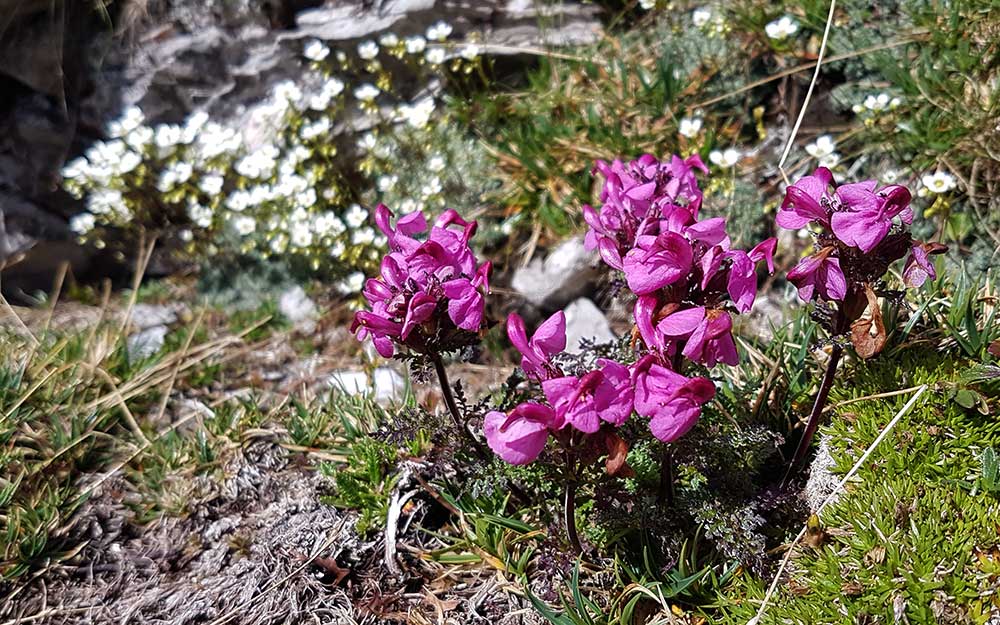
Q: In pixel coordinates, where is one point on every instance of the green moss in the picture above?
(907, 533)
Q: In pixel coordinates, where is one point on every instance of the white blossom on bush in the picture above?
(439, 31)
(315, 50)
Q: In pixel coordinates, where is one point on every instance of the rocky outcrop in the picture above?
(67, 68)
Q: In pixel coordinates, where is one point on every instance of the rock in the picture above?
(584, 320)
(145, 316)
(301, 311)
(770, 311)
(146, 343)
(386, 386)
(568, 272)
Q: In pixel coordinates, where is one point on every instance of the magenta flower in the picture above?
(742, 284)
(466, 298)
(819, 275)
(400, 237)
(644, 311)
(536, 354)
(635, 196)
(601, 395)
(420, 280)
(707, 333)
(670, 401)
(858, 214)
(919, 266)
(381, 329)
(804, 201)
(657, 261)
(866, 216)
(419, 309)
(520, 437)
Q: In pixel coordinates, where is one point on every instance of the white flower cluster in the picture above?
(708, 21)
(690, 127)
(271, 186)
(876, 104)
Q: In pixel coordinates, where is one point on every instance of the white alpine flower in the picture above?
(701, 16)
(355, 216)
(368, 50)
(824, 145)
(471, 51)
(435, 56)
(353, 283)
(82, 223)
(439, 31)
(782, 28)
(690, 127)
(367, 92)
(938, 182)
(725, 158)
(415, 45)
(315, 50)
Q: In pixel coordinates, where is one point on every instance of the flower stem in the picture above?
(569, 504)
(666, 495)
(449, 400)
(817, 411)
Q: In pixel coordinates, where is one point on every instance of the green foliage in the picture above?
(911, 508)
(989, 480)
(366, 483)
(493, 532)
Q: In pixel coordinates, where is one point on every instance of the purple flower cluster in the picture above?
(687, 278)
(860, 230)
(608, 394)
(419, 279)
(683, 269)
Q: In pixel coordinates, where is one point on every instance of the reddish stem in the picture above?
(456, 415)
(569, 504)
(817, 411)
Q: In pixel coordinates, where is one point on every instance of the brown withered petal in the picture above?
(994, 348)
(868, 335)
(617, 448)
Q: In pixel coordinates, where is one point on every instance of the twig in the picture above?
(848, 402)
(177, 367)
(117, 394)
(145, 254)
(10, 311)
(829, 498)
(812, 85)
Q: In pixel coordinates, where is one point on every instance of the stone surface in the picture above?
(568, 272)
(385, 385)
(584, 320)
(146, 316)
(146, 343)
(770, 311)
(298, 308)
